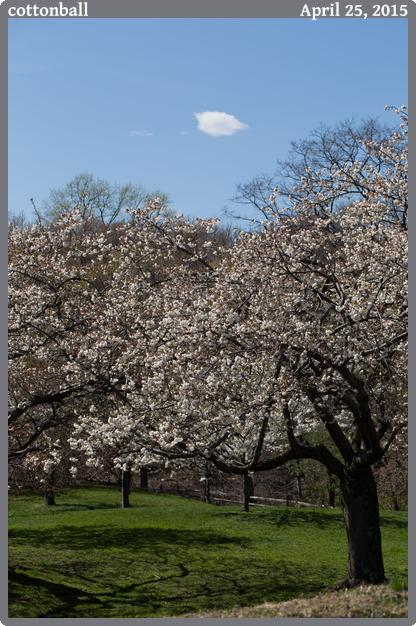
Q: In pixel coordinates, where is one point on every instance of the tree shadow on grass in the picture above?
(69, 596)
(138, 539)
(393, 523)
(157, 571)
(178, 589)
(66, 508)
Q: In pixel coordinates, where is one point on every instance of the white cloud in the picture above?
(216, 124)
(141, 132)
(184, 132)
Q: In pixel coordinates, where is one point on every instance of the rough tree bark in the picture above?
(361, 513)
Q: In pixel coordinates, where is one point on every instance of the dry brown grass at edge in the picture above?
(368, 601)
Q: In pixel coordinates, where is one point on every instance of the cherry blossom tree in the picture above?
(78, 322)
(301, 326)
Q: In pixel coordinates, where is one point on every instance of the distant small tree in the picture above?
(98, 198)
(20, 220)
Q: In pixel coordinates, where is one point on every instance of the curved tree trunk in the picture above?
(125, 489)
(359, 502)
(361, 513)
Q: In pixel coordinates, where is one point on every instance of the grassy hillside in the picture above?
(368, 601)
(167, 556)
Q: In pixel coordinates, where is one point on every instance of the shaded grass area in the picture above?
(168, 556)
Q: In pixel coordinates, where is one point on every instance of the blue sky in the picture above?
(118, 97)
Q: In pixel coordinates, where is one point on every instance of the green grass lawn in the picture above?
(166, 556)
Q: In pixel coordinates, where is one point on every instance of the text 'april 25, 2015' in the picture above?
(335, 9)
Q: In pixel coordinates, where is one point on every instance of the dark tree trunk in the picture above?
(125, 489)
(361, 513)
(143, 478)
(207, 492)
(49, 495)
(49, 491)
(206, 478)
(248, 491)
(331, 489)
(299, 480)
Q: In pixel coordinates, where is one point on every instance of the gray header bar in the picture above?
(314, 10)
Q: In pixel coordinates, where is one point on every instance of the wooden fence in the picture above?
(219, 497)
